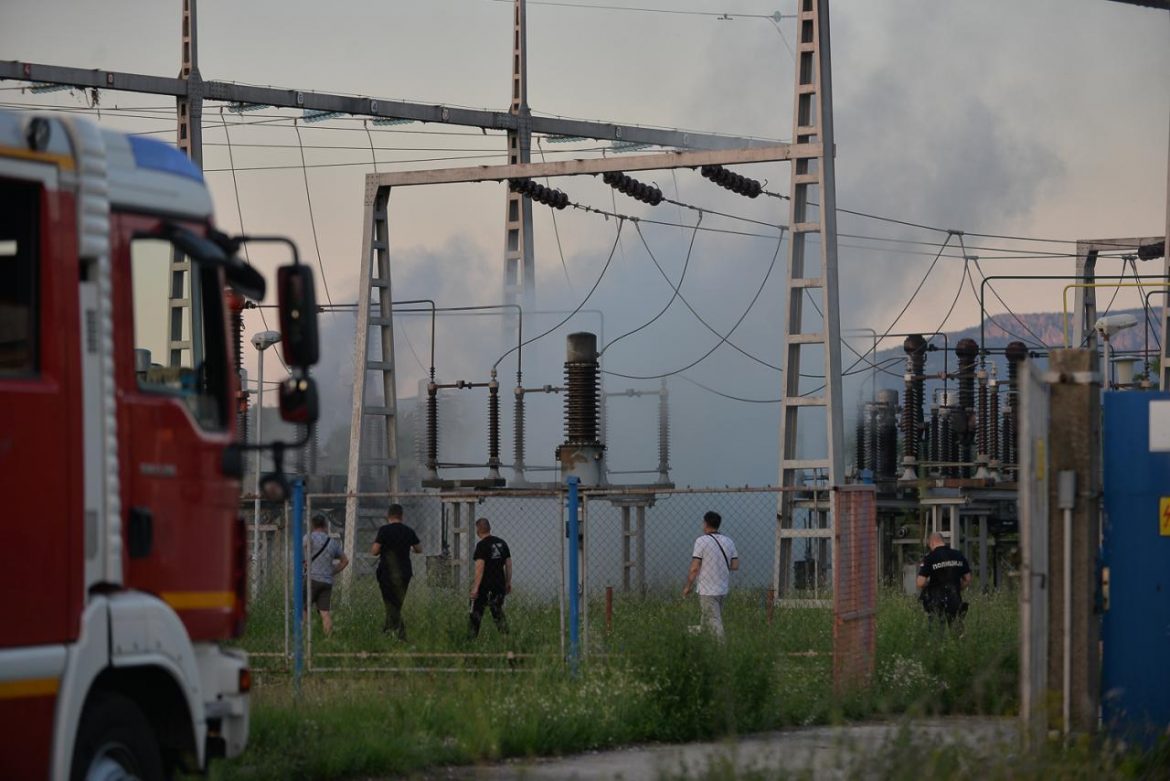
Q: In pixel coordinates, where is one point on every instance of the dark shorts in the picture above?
(320, 594)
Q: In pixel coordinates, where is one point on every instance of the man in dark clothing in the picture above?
(942, 576)
(392, 546)
(493, 577)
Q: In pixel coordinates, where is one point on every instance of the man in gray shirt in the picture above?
(325, 559)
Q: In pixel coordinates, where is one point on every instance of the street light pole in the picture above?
(261, 341)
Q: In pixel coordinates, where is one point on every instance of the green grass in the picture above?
(650, 679)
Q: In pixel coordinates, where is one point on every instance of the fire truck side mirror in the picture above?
(298, 315)
(245, 279)
(298, 400)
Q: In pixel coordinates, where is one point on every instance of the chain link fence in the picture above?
(635, 549)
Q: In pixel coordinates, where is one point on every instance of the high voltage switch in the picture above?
(549, 196)
(732, 181)
(646, 193)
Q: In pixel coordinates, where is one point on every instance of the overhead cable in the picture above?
(312, 219)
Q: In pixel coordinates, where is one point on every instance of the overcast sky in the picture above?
(1045, 118)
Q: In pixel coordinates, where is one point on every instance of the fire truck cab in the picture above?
(122, 553)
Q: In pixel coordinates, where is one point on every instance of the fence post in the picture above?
(609, 610)
(574, 581)
(298, 579)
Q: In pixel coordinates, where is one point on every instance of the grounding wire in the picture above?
(676, 291)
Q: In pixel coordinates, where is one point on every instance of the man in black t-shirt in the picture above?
(493, 578)
(942, 576)
(392, 546)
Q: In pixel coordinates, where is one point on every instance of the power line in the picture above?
(312, 219)
(579, 306)
(695, 312)
(723, 338)
(674, 294)
(240, 214)
(722, 15)
(954, 302)
(1003, 303)
(556, 229)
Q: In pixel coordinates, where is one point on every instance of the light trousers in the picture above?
(711, 613)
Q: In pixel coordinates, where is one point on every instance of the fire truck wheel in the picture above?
(115, 742)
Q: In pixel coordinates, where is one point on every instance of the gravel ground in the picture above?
(814, 752)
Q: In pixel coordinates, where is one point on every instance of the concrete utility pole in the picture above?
(1074, 626)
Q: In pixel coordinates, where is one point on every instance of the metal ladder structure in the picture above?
(804, 506)
(374, 311)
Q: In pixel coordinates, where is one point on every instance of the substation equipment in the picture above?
(957, 487)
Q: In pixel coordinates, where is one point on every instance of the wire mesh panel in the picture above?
(642, 543)
(854, 586)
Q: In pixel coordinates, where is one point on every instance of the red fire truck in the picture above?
(122, 553)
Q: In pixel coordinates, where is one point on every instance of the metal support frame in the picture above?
(376, 108)
(1164, 358)
(374, 309)
(634, 547)
(462, 539)
(812, 176)
(1085, 299)
(376, 255)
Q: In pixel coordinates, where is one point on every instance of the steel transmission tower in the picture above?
(805, 515)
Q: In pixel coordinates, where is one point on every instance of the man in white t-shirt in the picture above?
(712, 563)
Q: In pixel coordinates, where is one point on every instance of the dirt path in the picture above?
(815, 752)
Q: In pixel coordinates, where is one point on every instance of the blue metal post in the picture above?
(298, 533)
(574, 577)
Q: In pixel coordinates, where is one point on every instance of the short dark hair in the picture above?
(319, 521)
(483, 524)
(394, 511)
(712, 519)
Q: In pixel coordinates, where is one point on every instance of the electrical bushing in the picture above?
(582, 453)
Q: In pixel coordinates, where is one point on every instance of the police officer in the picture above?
(942, 576)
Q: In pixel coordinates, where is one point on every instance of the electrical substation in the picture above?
(961, 439)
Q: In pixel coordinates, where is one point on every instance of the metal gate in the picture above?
(1135, 676)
